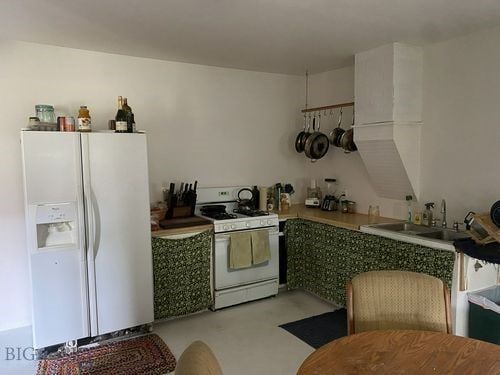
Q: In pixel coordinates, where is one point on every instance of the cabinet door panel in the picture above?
(323, 258)
(181, 269)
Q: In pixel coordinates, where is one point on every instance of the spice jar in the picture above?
(285, 202)
(351, 206)
(33, 122)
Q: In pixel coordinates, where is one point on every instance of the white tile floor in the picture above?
(246, 338)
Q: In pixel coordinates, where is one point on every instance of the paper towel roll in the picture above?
(263, 198)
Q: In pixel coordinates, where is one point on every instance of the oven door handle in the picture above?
(225, 236)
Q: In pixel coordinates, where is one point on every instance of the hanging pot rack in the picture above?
(340, 105)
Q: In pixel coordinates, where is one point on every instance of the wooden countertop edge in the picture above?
(181, 230)
(351, 221)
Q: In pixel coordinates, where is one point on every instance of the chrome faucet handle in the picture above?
(456, 224)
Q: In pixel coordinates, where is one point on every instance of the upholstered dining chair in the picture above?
(378, 300)
(198, 359)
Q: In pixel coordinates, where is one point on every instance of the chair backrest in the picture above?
(198, 359)
(378, 300)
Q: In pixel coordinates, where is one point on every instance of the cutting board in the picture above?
(182, 222)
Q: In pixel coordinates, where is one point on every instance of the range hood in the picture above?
(388, 96)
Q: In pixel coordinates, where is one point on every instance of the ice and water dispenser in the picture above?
(56, 225)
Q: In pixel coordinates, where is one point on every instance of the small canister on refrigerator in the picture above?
(61, 123)
(69, 124)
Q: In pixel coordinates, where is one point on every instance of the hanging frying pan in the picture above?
(317, 143)
(299, 144)
(347, 139)
(308, 131)
(336, 133)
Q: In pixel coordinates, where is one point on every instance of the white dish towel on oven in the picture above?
(261, 251)
(240, 250)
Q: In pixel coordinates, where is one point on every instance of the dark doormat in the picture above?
(320, 329)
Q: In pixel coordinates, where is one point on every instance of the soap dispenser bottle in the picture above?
(409, 199)
(428, 214)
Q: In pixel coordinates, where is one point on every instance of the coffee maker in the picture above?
(330, 202)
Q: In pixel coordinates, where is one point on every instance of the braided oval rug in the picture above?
(147, 355)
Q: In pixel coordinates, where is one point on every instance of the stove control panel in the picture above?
(245, 224)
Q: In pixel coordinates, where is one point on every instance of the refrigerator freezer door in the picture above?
(53, 193)
(116, 191)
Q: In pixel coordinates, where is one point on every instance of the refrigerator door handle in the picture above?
(93, 233)
(91, 229)
(88, 199)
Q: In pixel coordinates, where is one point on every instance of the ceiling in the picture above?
(279, 36)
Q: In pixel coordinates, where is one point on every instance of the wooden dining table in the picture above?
(403, 352)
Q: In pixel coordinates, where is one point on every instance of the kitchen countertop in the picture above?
(348, 221)
(182, 230)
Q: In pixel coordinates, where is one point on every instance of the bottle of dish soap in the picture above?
(417, 216)
(409, 199)
(428, 215)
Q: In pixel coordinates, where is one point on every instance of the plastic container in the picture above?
(373, 214)
(428, 215)
(417, 216)
(484, 314)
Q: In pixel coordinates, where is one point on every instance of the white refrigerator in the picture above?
(88, 233)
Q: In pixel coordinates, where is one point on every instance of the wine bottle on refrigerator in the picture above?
(121, 118)
(130, 116)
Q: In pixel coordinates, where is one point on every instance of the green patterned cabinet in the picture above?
(181, 270)
(323, 258)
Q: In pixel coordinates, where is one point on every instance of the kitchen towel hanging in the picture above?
(261, 251)
(240, 250)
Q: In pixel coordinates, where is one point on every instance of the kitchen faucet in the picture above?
(443, 213)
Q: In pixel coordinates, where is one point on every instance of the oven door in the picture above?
(226, 277)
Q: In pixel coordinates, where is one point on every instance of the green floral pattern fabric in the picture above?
(323, 258)
(181, 270)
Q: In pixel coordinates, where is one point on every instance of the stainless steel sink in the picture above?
(445, 235)
(405, 228)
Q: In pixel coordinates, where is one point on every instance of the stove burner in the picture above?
(220, 215)
(249, 212)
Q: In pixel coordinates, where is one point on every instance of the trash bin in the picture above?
(484, 314)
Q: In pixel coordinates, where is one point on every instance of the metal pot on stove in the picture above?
(246, 199)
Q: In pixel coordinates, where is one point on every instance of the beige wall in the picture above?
(461, 132)
(219, 126)
(200, 118)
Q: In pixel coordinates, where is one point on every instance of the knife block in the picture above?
(181, 209)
